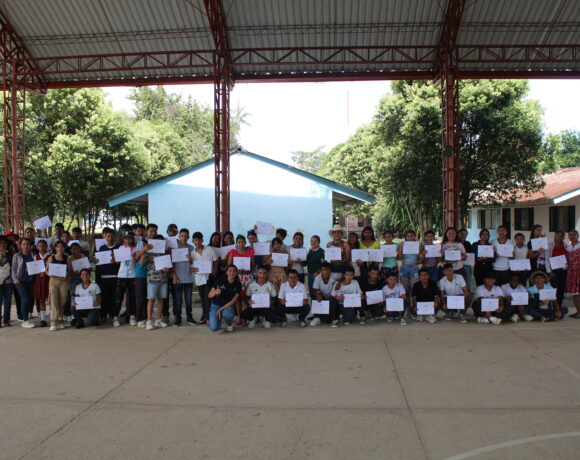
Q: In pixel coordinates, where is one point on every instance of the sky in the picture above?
(284, 117)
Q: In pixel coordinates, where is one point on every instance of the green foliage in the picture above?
(562, 150)
(309, 161)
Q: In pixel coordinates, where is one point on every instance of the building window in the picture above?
(360, 222)
(524, 218)
(562, 218)
(484, 218)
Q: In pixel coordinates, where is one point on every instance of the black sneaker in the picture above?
(177, 322)
(192, 322)
(79, 323)
(43, 324)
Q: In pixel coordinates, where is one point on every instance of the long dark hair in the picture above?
(368, 227)
(211, 240)
(445, 239)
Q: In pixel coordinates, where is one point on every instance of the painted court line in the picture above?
(515, 442)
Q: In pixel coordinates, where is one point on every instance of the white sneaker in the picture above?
(132, 321)
(403, 322)
(528, 317)
(442, 315)
(496, 321)
(142, 323)
(420, 318)
(334, 323)
(160, 323)
(53, 329)
(252, 324)
(431, 319)
(116, 322)
(62, 326)
(515, 318)
(388, 318)
(28, 324)
(302, 323)
(230, 328)
(315, 322)
(283, 324)
(483, 320)
(346, 323)
(462, 318)
(149, 325)
(362, 321)
(267, 324)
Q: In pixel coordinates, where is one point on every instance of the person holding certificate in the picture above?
(521, 253)
(453, 252)
(537, 257)
(156, 283)
(277, 275)
(107, 279)
(293, 286)
(261, 287)
(41, 282)
(430, 263)
(411, 258)
(371, 282)
(483, 260)
(183, 281)
(6, 284)
(520, 311)
(544, 307)
(501, 265)
(425, 290)
(394, 290)
(298, 263)
(348, 285)
(368, 241)
(224, 295)
(245, 276)
(495, 313)
(337, 234)
(452, 284)
(558, 275)
(390, 263)
(252, 237)
(86, 288)
(314, 261)
(23, 282)
(573, 277)
(203, 281)
(58, 286)
(322, 288)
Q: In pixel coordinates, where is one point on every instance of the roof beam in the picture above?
(449, 32)
(219, 28)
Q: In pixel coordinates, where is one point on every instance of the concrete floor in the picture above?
(378, 391)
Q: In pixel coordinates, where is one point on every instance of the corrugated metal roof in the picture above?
(52, 28)
(558, 184)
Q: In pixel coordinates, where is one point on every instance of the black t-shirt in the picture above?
(366, 285)
(229, 290)
(425, 294)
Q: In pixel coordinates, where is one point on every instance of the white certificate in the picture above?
(558, 262)
(242, 263)
(171, 242)
(279, 259)
(99, 242)
(203, 266)
(395, 304)
(298, 253)
(81, 263)
(57, 270)
(375, 255)
(260, 300)
(425, 308)
(261, 249)
(122, 254)
(264, 228)
(158, 246)
(320, 308)
(359, 254)
(389, 250)
(35, 267)
(518, 265)
(489, 304)
(71, 242)
(46, 240)
(352, 301)
(223, 251)
(432, 250)
(411, 247)
(520, 298)
(455, 302)
(104, 257)
(180, 255)
(547, 294)
(452, 255)
(469, 259)
(505, 250)
(374, 297)
(137, 238)
(294, 299)
(538, 243)
(332, 254)
(485, 250)
(162, 262)
(84, 302)
(43, 223)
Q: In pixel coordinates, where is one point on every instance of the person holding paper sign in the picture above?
(537, 257)
(515, 287)
(23, 282)
(292, 286)
(183, 282)
(245, 276)
(252, 239)
(224, 295)
(354, 245)
(141, 275)
(126, 280)
(483, 264)
(322, 288)
(543, 310)
(6, 284)
(314, 262)
(488, 290)
(394, 290)
(261, 286)
(452, 284)
(425, 290)
(462, 237)
(278, 275)
(558, 275)
(156, 286)
(520, 253)
(204, 281)
(107, 279)
(337, 234)
(86, 288)
(390, 264)
(75, 275)
(409, 267)
(371, 282)
(41, 282)
(77, 235)
(573, 277)
(368, 241)
(430, 263)
(299, 263)
(348, 285)
(58, 287)
(451, 244)
(501, 265)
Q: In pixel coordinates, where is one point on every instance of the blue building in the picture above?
(261, 189)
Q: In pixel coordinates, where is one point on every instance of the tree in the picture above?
(309, 161)
(562, 150)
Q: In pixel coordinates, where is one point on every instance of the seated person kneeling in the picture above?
(260, 286)
(288, 287)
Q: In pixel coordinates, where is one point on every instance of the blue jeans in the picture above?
(539, 313)
(26, 292)
(5, 299)
(215, 324)
(409, 271)
(182, 290)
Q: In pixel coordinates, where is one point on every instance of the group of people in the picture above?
(241, 281)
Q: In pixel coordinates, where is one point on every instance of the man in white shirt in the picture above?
(260, 286)
(508, 289)
(322, 288)
(488, 290)
(452, 284)
(348, 285)
(288, 287)
(203, 280)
